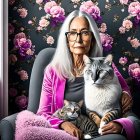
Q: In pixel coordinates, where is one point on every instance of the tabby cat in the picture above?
(71, 111)
(102, 90)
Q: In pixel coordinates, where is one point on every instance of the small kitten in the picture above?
(102, 90)
(71, 111)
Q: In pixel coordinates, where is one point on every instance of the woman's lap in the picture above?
(110, 137)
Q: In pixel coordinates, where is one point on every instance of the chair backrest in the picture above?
(42, 60)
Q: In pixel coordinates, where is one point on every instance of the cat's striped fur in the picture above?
(71, 111)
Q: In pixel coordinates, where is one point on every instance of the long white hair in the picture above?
(62, 60)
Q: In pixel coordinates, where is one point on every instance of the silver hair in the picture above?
(62, 60)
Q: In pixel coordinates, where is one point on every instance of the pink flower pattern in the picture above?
(123, 60)
(23, 75)
(22, 12)
(134, 71)
(21, 40)
(92, 9)
(107, 41)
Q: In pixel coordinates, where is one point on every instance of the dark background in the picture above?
(120, 45)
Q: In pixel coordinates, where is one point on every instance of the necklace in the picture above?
(78, 71)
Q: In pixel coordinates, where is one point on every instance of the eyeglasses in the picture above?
(72, 36)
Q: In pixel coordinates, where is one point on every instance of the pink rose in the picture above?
(103, 28)
(39, 1)
(134, 8)
(49, 5)
(106, 41)
(135, 43)
(124, 1)
(29, 52)
(22, 12)
(134, 71)
(123, 60)
(127, 24)
(23, 75)
(18, 37)
(90, 8)
(50, 40)
(122, 30)
(43, 22)
(57, 11)
(21, 101)
(11, 28)
(21, 41)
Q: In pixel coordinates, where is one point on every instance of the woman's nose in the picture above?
(79, 39)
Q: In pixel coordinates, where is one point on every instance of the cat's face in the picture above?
(70, 111)
(98, 71)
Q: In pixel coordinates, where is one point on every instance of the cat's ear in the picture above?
(86, 59)
(108, 60)
(66, 102)
(81, 103)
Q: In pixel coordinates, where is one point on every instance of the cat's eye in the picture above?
(62, 113)
(76, 109)
(103, 73)
(68, 109)
(89, 72)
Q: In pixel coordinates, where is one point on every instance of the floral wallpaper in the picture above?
(34, 25)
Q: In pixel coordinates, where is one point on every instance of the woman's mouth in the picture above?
(78, 46)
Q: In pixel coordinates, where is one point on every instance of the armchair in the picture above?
(7, 125)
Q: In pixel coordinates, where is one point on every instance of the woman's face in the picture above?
(80, 43)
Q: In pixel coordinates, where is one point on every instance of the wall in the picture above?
(25, 23)
(3, 58)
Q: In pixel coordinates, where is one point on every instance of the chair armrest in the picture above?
(7, 127)
(136, 122)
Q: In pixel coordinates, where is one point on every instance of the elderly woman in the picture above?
(63, 77)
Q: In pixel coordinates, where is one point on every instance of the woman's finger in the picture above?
(110, 131)
(106, 127)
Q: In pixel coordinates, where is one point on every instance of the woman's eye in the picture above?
(73, 33)
(85, 33)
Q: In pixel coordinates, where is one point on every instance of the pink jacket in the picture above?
(52, 96)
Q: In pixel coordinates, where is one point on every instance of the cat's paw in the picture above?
(102, 124)
(87, 137)
(100, 129)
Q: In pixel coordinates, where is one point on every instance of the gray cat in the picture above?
(71, 111)
(102, 89)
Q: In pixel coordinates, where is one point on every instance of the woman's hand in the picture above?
(111, 128)
(126, 102)
(71, 129)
